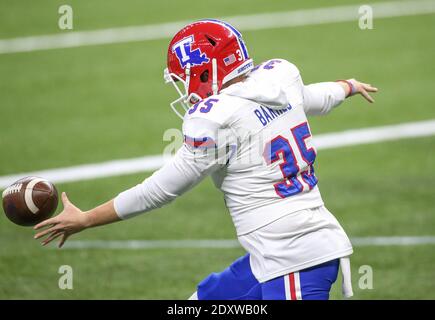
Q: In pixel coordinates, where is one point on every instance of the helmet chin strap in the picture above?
(193, 97)
(214, 85)
(187, 78)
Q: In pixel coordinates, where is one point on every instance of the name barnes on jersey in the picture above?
(265, 115)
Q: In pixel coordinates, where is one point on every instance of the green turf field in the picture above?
(65, 107)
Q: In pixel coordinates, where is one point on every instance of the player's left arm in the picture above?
(321, 98)
(182, 172)
(192, 162)
(73, 220)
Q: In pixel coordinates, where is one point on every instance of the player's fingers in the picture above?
(52, 236)
(371, 89)
(65, 199)
(52, 221)
(46, 231)
(367, 96)
(368, 87)
(62, 240)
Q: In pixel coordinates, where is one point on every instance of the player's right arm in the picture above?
(320, 98)
(317, 98)
(353, 86)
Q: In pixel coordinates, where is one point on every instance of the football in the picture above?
(29, 201)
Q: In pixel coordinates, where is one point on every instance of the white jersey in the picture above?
(255, 141)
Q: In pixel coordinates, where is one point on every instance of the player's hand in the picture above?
(363, 89)
(71, 220)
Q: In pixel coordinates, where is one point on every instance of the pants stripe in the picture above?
(291, 277)
(287, 287)
(298, 286)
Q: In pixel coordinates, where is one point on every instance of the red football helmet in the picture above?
(202, 57)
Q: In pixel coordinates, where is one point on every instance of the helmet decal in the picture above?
(236, 33)
(202, 57)
(230, 59)
(185, 54)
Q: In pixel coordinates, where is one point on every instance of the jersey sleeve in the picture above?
(321, 98)
(199, 156)
(317, 98)
(281, 84)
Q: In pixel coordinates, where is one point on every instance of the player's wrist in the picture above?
(350, 85)
(87, 220)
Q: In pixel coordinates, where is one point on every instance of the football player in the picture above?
(247, 127)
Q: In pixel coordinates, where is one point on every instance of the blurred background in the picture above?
(64, 107)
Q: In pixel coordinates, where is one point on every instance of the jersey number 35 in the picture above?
(292, 171)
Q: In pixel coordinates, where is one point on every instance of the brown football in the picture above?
(29, 201)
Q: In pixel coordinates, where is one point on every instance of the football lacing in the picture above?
(12, 189)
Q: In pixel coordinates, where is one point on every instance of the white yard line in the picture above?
(228, 243)
(150, 163)
(91, 171)
(287, 19)
(375, 134)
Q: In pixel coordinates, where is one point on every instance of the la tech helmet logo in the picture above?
(183, 50)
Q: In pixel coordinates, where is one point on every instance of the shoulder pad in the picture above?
(280, 68)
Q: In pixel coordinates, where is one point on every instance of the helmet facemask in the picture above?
(186, 100)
